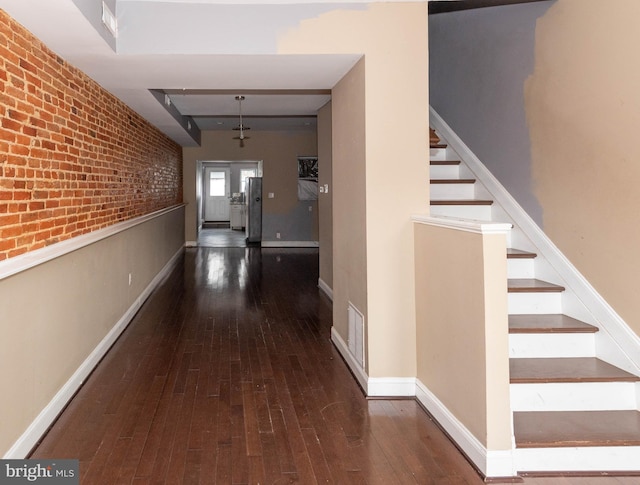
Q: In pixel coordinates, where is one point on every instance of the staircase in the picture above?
(572, 411)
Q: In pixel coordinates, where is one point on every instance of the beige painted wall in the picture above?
(462, 331)
(393, 39)
(349, 198)
(583, 110)
(58, 312)
(325, 200)
(279, 152)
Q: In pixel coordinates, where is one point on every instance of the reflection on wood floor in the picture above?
(227, 375)
(222, 238)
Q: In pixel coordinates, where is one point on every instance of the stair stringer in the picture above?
(615, 343)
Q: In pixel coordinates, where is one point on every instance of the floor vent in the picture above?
(356, 334)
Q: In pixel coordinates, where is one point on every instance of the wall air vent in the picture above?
(109, 20)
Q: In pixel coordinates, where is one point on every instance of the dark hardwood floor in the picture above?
(227, 375)
(222, 238)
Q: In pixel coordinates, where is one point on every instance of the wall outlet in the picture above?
(271, 195)
(310, 208)
(277, 235)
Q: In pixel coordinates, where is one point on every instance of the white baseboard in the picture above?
(48, 415)
(326, 289)
(491, 463)
(191, 244)
(342, 347)
(374, 386)
(290, 244)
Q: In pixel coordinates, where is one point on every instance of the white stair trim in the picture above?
(466, 225)
(606, 318)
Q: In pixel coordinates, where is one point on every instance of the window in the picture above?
(217, 184)
(244, 174)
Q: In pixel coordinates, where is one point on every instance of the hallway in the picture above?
(227, 375)
(222, 238)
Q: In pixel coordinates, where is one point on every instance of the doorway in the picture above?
(220, 185)
(216, 194)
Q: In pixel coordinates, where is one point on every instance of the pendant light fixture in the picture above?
(242, 137)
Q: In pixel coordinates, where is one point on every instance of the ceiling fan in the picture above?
(241, 127)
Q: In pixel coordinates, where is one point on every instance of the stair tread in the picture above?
(461, 202)
(542, 429)
(524, 285)
(452, 181)
(437, 145)
(568, 369)
(548, 323)
(444, 162)
(519, 254)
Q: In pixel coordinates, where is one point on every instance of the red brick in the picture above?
(6, 245)
(11, 124)
(87, 154)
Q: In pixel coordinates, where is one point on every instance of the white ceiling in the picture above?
(282, 92)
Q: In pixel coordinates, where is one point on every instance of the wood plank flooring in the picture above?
(227, 376)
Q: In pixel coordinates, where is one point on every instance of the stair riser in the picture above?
(596, 458)
(520, 268)
(451, 191)
(444, 172)
(442, 154)
(580, 396)
(478, 212)
(535, 303)
(548, 345)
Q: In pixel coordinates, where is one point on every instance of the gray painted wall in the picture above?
(479, 61)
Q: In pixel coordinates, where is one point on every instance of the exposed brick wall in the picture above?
(73, 158)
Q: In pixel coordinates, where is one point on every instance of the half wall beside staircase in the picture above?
(573, 364)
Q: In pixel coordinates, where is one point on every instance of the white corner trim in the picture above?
(31, 259)
(491, 463)
(466, 225)
(326, 289)
(290, 244)
(343, 348)
(48, 415)
(607, 318)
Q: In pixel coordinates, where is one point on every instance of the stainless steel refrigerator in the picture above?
(254, 209)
